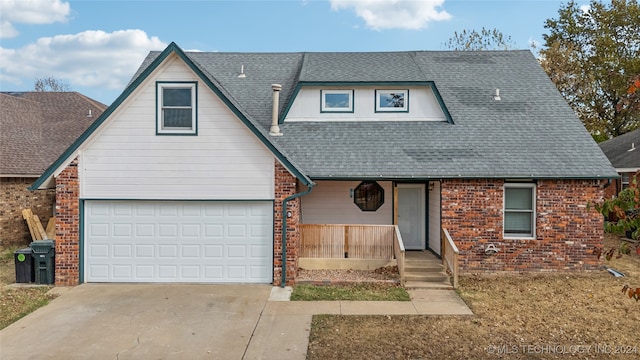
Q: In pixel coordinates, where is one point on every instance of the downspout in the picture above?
(284, 230)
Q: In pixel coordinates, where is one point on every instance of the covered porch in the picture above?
(346, 227)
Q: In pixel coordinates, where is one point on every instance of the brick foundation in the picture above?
(285, 185)
(67, 226)
(567, 233)
(14, 197)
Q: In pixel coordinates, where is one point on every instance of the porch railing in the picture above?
(347, 241)
(398, 251)
(450, 256)
(339, 241)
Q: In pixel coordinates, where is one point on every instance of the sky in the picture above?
(96, 46)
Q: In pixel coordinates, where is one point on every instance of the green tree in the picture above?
(49, 83)
(592, 54)
(484, 40)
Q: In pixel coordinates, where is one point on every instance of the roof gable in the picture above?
(150, 65)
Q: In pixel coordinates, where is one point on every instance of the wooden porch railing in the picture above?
(398, 250)
(450, 255)
(347, 241)
(339, 241)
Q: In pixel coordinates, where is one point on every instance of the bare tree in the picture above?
(51, 84)
(484, 40)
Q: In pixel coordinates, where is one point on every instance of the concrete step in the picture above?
(426, 277)
(420, 285)
(421, 268)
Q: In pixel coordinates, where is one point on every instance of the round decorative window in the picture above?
(368, 196)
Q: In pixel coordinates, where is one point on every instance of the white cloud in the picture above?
(30, 12)
(585, 8)
(86, 59)
(395, 14)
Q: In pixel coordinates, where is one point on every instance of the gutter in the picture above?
(284, 230)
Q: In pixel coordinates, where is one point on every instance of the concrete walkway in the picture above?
(127, 321)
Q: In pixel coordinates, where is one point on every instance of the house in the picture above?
(212, 167)
(623, 155)
(35, 128)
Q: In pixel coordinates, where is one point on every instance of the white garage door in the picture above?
(181, 241)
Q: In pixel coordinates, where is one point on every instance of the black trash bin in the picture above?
(24, 266)
(43, 261)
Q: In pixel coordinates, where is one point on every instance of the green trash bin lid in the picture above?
(42, 246)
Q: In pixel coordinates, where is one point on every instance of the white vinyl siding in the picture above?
(519, 210)
(178, 241)
(423, 106)
(330, 202)
(127, 160)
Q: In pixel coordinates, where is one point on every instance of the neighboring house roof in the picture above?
(530, 133)
(623, 150)
(36, 127)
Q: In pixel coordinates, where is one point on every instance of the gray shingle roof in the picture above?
(618, 150)
(36, 127)
(531, 132)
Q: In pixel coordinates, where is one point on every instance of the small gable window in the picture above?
(176, 113)
(336, 101)
(392, 100)
(368, 196)
(519, 210)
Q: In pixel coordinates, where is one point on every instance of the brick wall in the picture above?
(14, 197)
(67, 226)
(285, 185)
(566, 231)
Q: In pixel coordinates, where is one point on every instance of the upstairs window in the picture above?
(519, 210)
(337, 101)
(392, 100)
(176, 113)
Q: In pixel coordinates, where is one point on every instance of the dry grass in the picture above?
(524, 316)
(19, 301)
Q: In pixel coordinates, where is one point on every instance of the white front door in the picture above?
(411, 215)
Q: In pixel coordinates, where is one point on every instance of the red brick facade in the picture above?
(567, 231)
(15, 197)
(67, 226)
(285, 185)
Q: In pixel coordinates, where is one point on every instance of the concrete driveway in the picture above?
(132, 321)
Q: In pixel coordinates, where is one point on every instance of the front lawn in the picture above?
(521, 316)
(356, 292)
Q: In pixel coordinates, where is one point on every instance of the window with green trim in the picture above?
(337, 101)
(392, 100)
(176, 113)
(519, 210)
